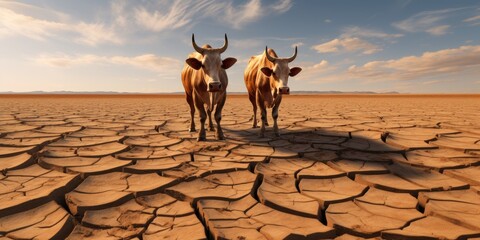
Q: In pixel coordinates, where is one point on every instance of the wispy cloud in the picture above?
(145, 61)
(347, 44)
(475, 20)
(243, 14)
(353, 38)
(14, 23)
(472, 19)
(434, 22)
(438, 30)
(96, 33)
(282, 6)
(167, 15)
(118, 9)
(445, 65)
(446, 61)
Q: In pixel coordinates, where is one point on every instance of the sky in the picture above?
(427, 46)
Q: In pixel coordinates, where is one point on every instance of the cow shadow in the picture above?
(354, 145)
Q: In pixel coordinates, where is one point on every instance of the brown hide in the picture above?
(255, 79)
(194, 82)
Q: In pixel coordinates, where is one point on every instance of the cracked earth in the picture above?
(344, 167)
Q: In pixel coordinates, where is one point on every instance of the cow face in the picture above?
(280, 72)
(211, 63)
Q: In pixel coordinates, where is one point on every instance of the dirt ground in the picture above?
(344, 167)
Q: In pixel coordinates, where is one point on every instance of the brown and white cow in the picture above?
(266, 78)
(205, 82)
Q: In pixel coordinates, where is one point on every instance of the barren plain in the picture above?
(344, 167)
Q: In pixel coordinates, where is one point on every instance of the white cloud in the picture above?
(168, 15)
(438, 30)
(241, 15)
(177, 15)
(327, 21)
(475, 20)
(34, 11)
(14, 23)
(352, 40)
(471, 19)
(445, 65)
(431, 21)
(282, 6)
(94, 34)
(446, 61)
(118, 8)
(347, 44)
(146, 61)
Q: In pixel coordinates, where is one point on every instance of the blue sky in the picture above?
(428, 46)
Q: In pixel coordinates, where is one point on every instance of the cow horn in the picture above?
(290, 59)
(195, 46)
(225, 45)
(270, 58)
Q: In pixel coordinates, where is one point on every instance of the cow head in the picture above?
(280, 72)
(211, 63)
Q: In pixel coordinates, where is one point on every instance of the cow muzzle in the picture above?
(284, 90)
(214, 87)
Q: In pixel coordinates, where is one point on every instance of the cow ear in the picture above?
(228, 62)
(294, 71)
(194, 63)
(267, 71)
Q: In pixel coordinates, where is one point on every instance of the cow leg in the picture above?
(203, 117)
(263, 111)
(192, 113)
(275, 116)
(266, 119)
(210, 123)
(254, 104)
(218, 117)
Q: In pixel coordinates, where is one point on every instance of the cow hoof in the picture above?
(201, 139)
(254, 126)
(211, 129)
(220, 137)
(277, 134)
(266, 124)
(192, 130)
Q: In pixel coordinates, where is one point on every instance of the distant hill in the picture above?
(112, 92)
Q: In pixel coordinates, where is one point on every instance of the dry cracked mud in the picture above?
(344, 167)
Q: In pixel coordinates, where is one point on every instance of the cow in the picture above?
(266, 79)
(205, 82)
